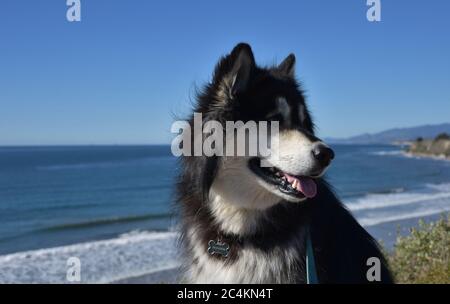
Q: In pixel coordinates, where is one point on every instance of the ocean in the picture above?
(113, 206)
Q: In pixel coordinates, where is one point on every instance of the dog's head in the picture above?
(242, 91)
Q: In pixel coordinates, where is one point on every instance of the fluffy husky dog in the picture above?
(244, 223)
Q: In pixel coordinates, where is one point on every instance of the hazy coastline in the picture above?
(438, 147)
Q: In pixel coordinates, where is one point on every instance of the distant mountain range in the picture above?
(394, 135)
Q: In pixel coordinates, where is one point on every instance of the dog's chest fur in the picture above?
(250, 263)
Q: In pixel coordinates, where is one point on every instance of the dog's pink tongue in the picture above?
(303, 184)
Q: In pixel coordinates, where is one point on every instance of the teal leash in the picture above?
(311, 273)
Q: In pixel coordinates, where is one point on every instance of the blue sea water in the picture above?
(51, 196)
(112, 206)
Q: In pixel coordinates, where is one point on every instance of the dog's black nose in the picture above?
(323, 154)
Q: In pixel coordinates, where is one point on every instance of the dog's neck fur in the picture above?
(231, 219)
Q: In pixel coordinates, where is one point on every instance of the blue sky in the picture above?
(119, 75)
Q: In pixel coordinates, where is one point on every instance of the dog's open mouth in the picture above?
(298, 186)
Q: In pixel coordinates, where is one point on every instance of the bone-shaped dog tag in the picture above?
(220, 248)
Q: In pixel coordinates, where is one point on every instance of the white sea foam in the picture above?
(374, 209)
(372, 221)
(389, 153)
(105, 261)
(408, 155)
(445, 187)
(376, 201)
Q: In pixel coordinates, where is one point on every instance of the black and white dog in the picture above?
(244, 223)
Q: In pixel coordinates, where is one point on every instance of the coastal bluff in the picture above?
(437, 147)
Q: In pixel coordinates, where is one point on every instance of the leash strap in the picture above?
(311, 273)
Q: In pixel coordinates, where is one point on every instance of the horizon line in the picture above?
(82, 145)
(169, 143)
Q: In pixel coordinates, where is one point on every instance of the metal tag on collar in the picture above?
(218, 248)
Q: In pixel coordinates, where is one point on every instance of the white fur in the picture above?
(253, 266)
(232, 218)
(293, 153)
(237, 185)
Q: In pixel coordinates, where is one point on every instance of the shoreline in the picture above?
(438, 147)
(426, 156)
(385, 233)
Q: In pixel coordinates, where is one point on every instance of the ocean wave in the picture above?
(444, 187)
(372, 221)
(108, 221)
(374, 209)
(101, 261)
(98, 165)
(403, 153)
(375, 201)
(387, 191)
(389, 153)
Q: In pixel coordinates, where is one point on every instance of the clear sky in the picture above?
(119, 75)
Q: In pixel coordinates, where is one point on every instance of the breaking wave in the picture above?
(374, 209)
(129, 255)
(108, 221)
(389, 153)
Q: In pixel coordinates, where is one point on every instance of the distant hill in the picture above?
(394, 135)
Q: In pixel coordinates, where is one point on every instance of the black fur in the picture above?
(341, 245)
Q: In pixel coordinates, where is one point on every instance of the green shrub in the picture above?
(442, 136)
(423, 257)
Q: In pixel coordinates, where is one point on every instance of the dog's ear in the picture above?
(287, 67)
(235, 69)
(243, 65)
